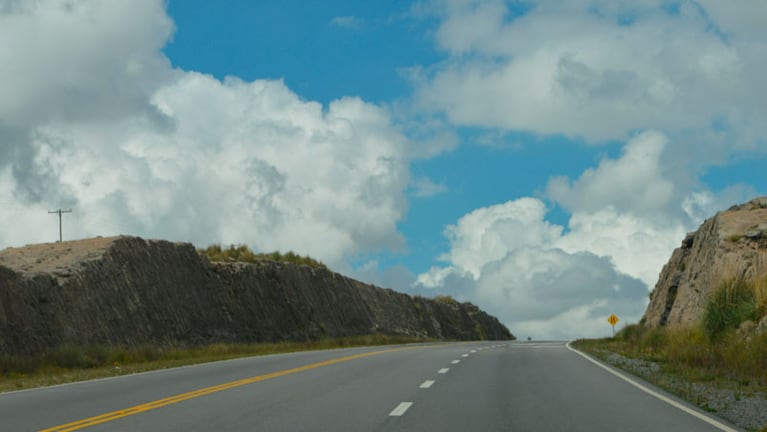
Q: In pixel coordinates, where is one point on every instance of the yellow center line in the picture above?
(115, 415)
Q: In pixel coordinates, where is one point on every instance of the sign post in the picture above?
(613, 319)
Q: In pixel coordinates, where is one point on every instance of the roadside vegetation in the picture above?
(726, 350)
(71, 363)
(241, 253)
(727, 343)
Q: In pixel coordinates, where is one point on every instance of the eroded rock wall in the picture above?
(730, 245)
(130, 291)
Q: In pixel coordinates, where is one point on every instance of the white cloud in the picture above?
(101, 123)
(489, 233)
(62, 60)
(506, 259)
(637, 208)
(637, 246)
(678, 83)
(601, 69)
(635, 181)
(93, 116)
(423, 187)
(627, 216)
(550, 293)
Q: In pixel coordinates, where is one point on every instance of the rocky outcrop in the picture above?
(130, 291)
(730, 245)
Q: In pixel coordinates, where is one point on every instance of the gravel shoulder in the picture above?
(742, 404)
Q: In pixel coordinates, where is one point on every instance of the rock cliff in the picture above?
(130, 291)
(730, 245)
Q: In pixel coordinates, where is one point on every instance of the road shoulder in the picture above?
(727, 407)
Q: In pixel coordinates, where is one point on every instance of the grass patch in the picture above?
(72, 363)
(446, 299)
(713, 349)
(731, 303)
(689, 353)
(241, 253)
(686, 362)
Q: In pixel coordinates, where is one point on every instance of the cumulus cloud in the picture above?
(600, 69)
(676, 82)
(91, 60)
(636, 208)
(507, 259)
(633, 182)
(637, 246)
(550, 293)
(627, 216)
(489, 233)
(96, 119)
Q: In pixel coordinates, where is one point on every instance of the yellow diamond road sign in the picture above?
(613, 319)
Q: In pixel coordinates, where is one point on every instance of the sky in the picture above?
(540, 159)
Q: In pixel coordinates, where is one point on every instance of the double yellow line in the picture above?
(116, 415)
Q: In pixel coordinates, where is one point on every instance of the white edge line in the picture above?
(400, 409)
(717, 424)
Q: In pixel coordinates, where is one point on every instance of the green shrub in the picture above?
(730, 304)
(630, 333)
(75, 357)
(760, 294)
(241, 253)
(446, 299)
(688, 346)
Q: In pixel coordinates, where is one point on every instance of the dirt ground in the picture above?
(53, 257)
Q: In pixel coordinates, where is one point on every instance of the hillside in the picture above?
(130, 291)
(732, 245)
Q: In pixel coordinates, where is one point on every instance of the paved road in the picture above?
(483, 386)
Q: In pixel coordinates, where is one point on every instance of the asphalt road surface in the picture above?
(480, 386)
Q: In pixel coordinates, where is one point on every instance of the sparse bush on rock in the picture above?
(241, 253)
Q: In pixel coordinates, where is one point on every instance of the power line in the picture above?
(60, 211)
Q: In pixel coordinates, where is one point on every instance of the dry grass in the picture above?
(70, 364)
(689, 353)
(718, 351)
(760, 293)
(731, 303)
(241, 253)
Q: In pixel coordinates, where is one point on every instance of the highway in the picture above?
(475, 386)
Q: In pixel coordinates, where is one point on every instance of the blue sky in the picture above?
(299, 42)
(324, 51)
(539, 159)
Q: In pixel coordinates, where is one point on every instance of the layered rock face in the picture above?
(129, 291)
(730, 245)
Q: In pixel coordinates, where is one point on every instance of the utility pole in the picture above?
(60, 211)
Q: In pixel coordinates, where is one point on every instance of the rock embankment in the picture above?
(730, 245)
(130, 291)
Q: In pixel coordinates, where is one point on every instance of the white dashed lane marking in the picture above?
(455, 361)
(443, 370)
(427, 384)
(400, 409)
(464, 355)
